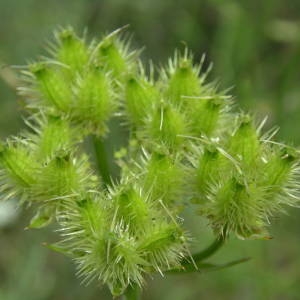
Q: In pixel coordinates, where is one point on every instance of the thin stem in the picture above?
(197, 258)
(132, 293)
(210, 250)
(101, 158)
(208, 267)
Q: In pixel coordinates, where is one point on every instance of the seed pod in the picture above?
(18, 170)
(206, 114)
(70, 51)
(93, 101)
(125, 266)
(101, 245)
(182, 79)
(163, 245)
(84, 223)
(164, 178)
(133, 208)
(63, 176)
(244, 144)
(52, 134)
(235, 207)
(53, 91)
(114, 54)
(208, 170)
(166, 127)
(280, 176)
(140, 97)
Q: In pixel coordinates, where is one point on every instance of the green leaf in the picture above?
(41, 219)
(207, 267)
(57, 248)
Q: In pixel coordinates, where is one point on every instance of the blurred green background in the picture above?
(255, 48)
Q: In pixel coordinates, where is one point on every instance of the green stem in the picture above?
(101, 158)
(189, 266)
(210, 250)
(132, 293)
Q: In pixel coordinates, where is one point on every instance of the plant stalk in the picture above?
(132, 293)
(210, 250)
(101, 159)
(197, 258)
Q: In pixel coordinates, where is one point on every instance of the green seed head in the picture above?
(182, 79)
(164, 178)
(50, 87)
(71, 51)
(18, 169)
(52, 135)
(114, 54)
(63, 176)
(93, 101)
(166, 127)
(140, 97)
(185, 142)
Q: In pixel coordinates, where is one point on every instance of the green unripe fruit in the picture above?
(183, 80)
(184, 142)
(132, 208)
(207, 170)
(52, 88)
(166, 127)
(205, 115)
(63, 176)
(71, 51)
(235, 208)
(113, 53)
(140, 97)
(93, 101)
(162, 245)
(164, 178)
(19, 170)
(54, 135)
(244, 143)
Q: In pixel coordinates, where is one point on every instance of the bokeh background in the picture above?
(255, 48)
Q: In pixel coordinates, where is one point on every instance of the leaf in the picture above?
(57, 248)
(207, 267)
(41, 219)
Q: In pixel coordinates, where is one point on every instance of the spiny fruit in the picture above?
(187, 146)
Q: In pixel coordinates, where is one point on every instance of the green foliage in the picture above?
(186, 144)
